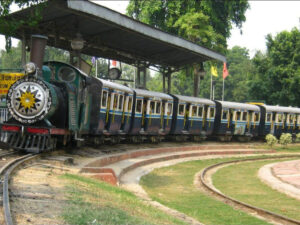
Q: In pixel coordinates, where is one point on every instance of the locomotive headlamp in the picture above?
(30, 68)
(77, 43)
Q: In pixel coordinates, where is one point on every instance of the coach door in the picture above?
(127, 113)
(166, 116)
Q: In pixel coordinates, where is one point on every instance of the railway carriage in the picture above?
(193, 118)
(115, 110)
(152, 117)
(279, 119)
(238, 120)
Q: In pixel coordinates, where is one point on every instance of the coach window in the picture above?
(211, 112)
(129, 105)
(290, 118)
(225, 114)
(294, 119)
(181, 109)
(255, 117)
(193, 111)
(157, 111)
(200, 111)
(298, 119)
(120, 106)
(237, 115)
(280, 118)
(104, 99)
(151, 107)
(244, 117)
(169, 109)
(116, 98)
(287, 118)
(269, 117)
(139, 105)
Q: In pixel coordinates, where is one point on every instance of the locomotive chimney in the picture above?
(38, 44)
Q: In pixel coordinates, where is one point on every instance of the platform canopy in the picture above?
(109, 34)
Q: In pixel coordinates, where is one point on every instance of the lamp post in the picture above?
(77, 45)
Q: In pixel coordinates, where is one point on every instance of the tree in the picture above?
(8, 27)
(277, 77)
(12, 59)
(207, 23)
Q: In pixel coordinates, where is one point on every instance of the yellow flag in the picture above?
(214, 71)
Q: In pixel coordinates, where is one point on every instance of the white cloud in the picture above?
(265, 17)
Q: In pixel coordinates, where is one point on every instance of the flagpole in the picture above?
(223, 89)
(96, 68)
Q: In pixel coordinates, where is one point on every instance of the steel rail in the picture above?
(6, 171)
(259, 211)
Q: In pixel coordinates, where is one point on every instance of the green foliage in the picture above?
(271, 140)
(12, 59)
(298, 137)
(9, 26)
(285, 139)
(205, 22)
(277, 76)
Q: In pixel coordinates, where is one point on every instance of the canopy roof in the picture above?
(109, 34)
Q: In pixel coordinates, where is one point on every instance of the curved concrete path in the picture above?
(283, 176)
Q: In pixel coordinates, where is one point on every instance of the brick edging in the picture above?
(165, 158)
(146, 152)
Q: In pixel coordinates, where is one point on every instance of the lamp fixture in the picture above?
(77, 43)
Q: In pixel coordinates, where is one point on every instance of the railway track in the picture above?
(6, 169)
(271, 216)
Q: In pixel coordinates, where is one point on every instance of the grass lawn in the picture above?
(240, 181)
(94, 202)
(173, 186)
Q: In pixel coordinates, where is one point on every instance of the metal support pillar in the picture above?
(138, 83)
(169, 82)
(164, 82)
(196, 83)
(145, 78)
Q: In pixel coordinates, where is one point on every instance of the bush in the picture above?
(285, 139)
(298, 137)
(271, 140)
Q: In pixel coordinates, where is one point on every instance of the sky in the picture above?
(263, 17)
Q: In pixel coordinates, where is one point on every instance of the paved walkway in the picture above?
(288, 172)
(283, 176)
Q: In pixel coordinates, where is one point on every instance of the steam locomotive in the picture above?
(56, 103)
